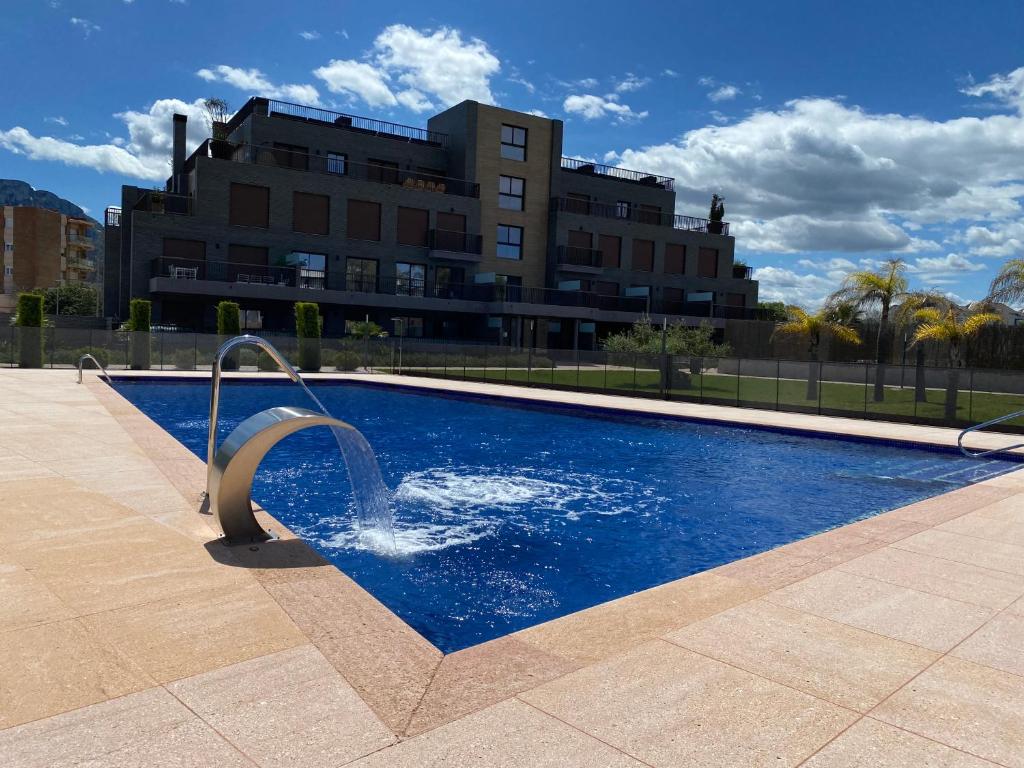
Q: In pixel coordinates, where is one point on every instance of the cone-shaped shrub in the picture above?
(307, 328)
(229, 324)
(140, 312)
(30, 330)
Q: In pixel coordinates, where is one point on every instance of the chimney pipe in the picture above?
(178, 157)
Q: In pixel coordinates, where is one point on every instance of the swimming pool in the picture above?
(508, 516)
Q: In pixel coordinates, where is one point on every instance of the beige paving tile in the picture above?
(887, 609)
(612, 627)
(886, 528)
(485, 674)
(25, 601)
(197, 632)
(964, 705)
(948, 506)
(20, 467)
(840, 544)
(832, 661)
(958, 581)
(150, 728)
(43, 514)
(773, 569)
(998, 644)
(669, 707)
(995, 555)
(290, 708)
(55, 667)
(984, 526)
(871, 744)
(507, 735)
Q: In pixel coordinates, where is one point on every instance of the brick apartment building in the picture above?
(475, 227)
(42, 249)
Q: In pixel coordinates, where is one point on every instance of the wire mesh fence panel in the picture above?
(592, 371)
(720, 383)
(564, 369)
(7, 346)
(685, 374)
(620, 373)
(757, 383)
(178, 351)
(890, 393)
(994, 394)
(842, 389)
(944, 402)
(651, 375)
(66, 346)
(798, 386)
(542, 368)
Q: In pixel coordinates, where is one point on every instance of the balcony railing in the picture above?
(455, 242)
(155, 201)
(710, 310)
(579, 257)
(368, 125)
(742, 271)
(622, 174)
(112, 217)
(639, 215)
(304, 161)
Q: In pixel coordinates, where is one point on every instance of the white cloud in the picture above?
(309, 35)
(945, 266)
(724, 93)
(1008, 88)
(781, 284)
(414, 100)
(536, 112)
(631, 83)
(145, 155)
(1000, 241)
(59, 120)
(357, 79)
(592, 107)
(669, 73)
(255, 83)
(85, 26)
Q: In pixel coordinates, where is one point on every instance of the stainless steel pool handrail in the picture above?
(99, 365)
(989, 423)
(225, 348)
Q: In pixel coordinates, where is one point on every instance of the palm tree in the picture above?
(876, 289)
(1008, 285)
(905, 317)
(951, 327)
(812, 328)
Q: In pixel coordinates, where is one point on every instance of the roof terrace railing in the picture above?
(639, 215)
(112, 217)
(587, 167)
(274, 107)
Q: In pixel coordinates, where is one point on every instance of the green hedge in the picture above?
(140, 314)
(307, 328)
(229, 324)
(30, 323)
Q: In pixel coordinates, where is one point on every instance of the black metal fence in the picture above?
(912, 394)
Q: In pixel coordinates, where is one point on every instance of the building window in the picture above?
(337, 163)
(9, 271)
(448, 281)
(611, 250)
(291, 156)
(413, 224)
(649, 214)
(252, 320)
(382, 170)
(675, 259)
(510, 193)
(622, 209)
(707, 262)
(643, 255)
(249, 205)
(361, 275)
(577, 203)
(409, 326)
(308, 269)
(311, 213)
(673, 298)
(510, 242)
(508, 288)
(513, 142)
(410, 279)
(604, 287)
(363, 220)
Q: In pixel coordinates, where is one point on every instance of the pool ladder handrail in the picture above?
(225, 348)
(989, 423)
(99, 365)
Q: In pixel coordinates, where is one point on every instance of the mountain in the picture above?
(15, 192)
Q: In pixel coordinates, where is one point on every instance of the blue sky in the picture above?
(839, 134)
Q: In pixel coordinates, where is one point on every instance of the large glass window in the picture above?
(513, 142)
(337, 163)
(510, 242)
(410, 279)
(361, 275)
(510, 192)
(448, 281)
(623, 209)
(308, 268)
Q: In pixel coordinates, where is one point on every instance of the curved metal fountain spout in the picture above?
(103, 371)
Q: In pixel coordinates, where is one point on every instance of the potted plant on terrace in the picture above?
(217, 111)
(716, 215)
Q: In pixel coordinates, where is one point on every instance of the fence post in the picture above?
(161, 351)
(700, 396)
(970, 396)
(739, 363)
(820, 382)
(195, 351)
(577, 369)
(778, 379)
(866, 378)
(529, 365)
(486, 375)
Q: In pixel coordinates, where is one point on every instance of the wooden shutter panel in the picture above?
(363, 220)
(413, 224)
(611, 250)
(249, 205)
(675, 259)
(643, 255)
(311, 213)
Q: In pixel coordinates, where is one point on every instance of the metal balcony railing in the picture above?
(155, 201)
(455, 242)
(588, 168)
(578, 257)
(112, 217)
(639, 215)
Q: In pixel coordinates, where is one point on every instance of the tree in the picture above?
(1008, 285)
(71, 299)
(229, 324)
(217, 111)
(140, 311)
(717, 212)
(905, 317)
(680, 339)
(29, 319)
(880, 289)
(954, 328)
(774, 311)
(307, 328)
(366, 329)
(813, 328)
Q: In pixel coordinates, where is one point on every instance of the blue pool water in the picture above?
(508, 516)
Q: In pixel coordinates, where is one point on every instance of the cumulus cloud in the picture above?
(781, 284)
(1000, 241)
(84, 26)
(144, 155)
(1008, 88)
(631, 83)
(357, 79)
(255, 83)
(59, 120)
(719, 91)
(309, 35)
(591, 107)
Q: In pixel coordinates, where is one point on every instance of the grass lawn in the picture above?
(790, 394)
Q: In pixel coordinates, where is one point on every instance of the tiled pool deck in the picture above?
(132, 637)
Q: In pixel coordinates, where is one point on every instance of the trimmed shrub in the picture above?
(307, 328)
(30, 323)
(184, 359)
(344, 360)
(139, 316)
(229, 324)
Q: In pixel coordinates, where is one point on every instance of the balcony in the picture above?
(112, 217)
(325, 117)
(573, 259)
(710, 310)
(333, 166)
(639, 215)
(156, 201)
(585, 168)
(78, 240)
(460, 246)
(742, 272)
